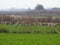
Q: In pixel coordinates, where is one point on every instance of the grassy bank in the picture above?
(29, 29)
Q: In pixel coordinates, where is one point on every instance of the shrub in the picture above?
(4, 31)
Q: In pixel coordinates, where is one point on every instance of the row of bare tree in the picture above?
(15, 20)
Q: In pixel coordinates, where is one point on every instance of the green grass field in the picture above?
(39, 35)
(29, 39)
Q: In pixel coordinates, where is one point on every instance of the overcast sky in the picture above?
(28, 3)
